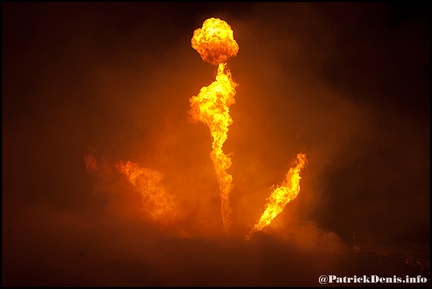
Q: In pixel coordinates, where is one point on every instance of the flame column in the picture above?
(215, 43)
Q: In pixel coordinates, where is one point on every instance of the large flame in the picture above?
(160, 205)
(281, 196)
(215, 43)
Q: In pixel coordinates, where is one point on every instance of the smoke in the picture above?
(329, 83)
(346, 83)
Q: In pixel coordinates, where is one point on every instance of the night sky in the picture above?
(345, 83)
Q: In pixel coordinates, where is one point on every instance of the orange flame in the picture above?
(281, 196)
(215, 43)
(160, 205)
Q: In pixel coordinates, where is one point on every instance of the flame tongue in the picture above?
(281, 196)
(215, 41)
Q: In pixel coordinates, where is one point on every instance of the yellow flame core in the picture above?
(160, 205)
(215, 41)
(282, 195)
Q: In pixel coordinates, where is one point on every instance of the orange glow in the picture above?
(91, 164)
(281, 196)
(215, 43)
(159, 204)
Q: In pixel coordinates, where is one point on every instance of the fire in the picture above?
(159, 204)
(281, 196)
(215, 43)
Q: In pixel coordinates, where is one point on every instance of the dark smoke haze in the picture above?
(345, 83)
